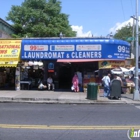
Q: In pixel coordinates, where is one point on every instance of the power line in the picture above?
(132, 7)
(122, 9)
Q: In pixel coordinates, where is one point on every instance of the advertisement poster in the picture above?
(111, 64)
(10, 50)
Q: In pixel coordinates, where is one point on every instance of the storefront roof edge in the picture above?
(73, 41)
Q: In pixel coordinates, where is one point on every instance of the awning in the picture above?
(80, 60)
(9, 64)
(13, 65)
(73, 48)
(76, 60)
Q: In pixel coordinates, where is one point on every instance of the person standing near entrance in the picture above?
(106, 83)
(79, 74)
(75, 83)
(50, 83)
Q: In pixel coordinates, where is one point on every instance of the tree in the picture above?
(124, 33)
(40, 18)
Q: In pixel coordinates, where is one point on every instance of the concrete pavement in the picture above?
(35, 96)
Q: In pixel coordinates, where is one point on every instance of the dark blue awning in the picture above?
(74, 48)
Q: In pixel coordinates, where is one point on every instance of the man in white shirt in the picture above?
(106, 81)
(50, 83)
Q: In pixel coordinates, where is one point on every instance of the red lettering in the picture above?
(33, 48)
(3, 51)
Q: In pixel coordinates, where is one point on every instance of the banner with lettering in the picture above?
(10, 50)
(70, 49)
(111, 64)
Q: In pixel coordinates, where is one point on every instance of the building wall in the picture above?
(6, 30)
(4, 34)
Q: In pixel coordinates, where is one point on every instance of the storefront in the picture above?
(9, 58)
(66, 54)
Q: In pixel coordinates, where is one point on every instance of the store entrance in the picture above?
(67, 70)
(65, 76)
(7, 78)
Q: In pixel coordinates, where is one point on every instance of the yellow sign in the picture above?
(111, 64)
(10, 50)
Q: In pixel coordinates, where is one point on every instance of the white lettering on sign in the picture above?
(123, 49)
(61, 55)
(88, 47)
(86, 55)
(35, 47)
(62, 48)
(44, 55)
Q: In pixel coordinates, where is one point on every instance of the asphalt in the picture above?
(35, 96)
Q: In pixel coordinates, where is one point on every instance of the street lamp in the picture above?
(110, 35)
(136, 91)
(61, 35)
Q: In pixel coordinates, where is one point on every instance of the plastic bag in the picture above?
(72, 87)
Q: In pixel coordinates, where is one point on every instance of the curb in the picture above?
(56, 101)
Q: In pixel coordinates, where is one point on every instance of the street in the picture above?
(23, 121)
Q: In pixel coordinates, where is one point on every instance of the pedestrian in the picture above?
(75, 83)
(79, 74)
(106, 84)
(50, 83)
(117, 77)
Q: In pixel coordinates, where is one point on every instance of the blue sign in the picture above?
(50, 66)
(75, 49)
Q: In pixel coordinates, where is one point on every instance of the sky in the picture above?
(90, 17)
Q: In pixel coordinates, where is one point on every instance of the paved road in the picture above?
(67, 122)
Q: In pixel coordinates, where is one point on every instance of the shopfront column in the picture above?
(45, 65)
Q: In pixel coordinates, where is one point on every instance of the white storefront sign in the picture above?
(62, 48)
(88, 47)
(36, 47)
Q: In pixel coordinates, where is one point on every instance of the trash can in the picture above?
(92, 89)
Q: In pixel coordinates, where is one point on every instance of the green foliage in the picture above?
(124, 32)
(40, 18)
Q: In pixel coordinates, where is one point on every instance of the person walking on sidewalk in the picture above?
(106, 84)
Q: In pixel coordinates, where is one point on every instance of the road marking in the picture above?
(73, 127)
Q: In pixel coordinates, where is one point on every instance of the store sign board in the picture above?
(91, 51)
(36, 47)
(89, 47)
(111, 64)
(10, 50)
(51, 66)
(61, 47)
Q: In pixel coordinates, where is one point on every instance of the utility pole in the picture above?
(133, 50)
(136, 92)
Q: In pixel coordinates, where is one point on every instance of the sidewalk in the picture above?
(30, 96)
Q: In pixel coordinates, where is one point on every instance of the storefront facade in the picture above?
(9, 58)
(66, 54)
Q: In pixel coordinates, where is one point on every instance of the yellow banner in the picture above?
(111, 64)
(10, 50)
